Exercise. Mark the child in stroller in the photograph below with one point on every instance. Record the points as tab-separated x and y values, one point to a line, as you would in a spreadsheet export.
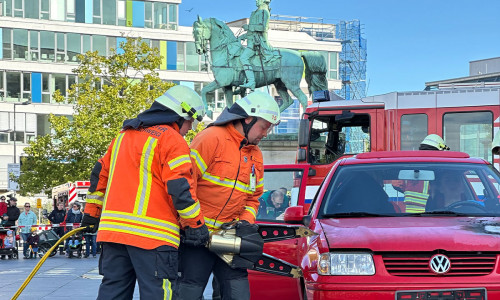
75	244
8	243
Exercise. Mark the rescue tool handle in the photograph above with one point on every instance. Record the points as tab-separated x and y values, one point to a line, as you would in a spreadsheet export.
40	263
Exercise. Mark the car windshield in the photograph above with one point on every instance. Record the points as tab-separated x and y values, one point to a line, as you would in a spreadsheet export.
412	189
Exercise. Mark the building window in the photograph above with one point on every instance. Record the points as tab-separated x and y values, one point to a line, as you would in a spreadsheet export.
61	47
109	6
47	46
122	12
413	131
470	132
34	54
18	8
192	58
148	14
86	43
180	56
26	83
20	45
32	9
172	16
44	9
160	14
74	47
333	65
97	17
99	44
46	94
7	8
13	86
7	43
58	10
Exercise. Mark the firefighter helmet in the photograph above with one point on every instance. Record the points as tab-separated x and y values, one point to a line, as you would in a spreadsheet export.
433	142
256	104
184	101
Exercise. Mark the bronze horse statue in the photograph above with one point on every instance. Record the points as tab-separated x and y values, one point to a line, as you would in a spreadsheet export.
284	70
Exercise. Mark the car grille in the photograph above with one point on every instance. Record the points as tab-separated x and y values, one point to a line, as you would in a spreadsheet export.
417	263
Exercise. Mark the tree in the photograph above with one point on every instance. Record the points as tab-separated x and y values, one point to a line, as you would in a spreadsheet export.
109	90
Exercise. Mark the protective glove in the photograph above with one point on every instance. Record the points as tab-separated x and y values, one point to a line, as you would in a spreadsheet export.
90	223
195	237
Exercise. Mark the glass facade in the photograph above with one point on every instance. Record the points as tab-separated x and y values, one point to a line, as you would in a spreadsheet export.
136	13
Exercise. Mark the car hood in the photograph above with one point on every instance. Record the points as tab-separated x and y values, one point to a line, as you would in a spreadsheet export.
413	233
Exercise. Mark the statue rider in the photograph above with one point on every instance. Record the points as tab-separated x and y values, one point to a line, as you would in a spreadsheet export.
256	37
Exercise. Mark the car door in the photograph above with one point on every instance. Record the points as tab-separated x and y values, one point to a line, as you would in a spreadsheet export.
292	177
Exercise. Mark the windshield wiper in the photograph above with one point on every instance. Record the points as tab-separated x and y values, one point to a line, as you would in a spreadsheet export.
439	212
354	214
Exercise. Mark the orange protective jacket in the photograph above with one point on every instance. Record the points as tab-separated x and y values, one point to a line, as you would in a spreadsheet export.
223	167
142	189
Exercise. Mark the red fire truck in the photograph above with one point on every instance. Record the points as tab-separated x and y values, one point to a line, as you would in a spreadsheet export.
70	192
467	119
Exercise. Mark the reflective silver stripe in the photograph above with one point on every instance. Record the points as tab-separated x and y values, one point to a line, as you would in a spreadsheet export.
136	230
144	188
96	197
268	111
212	224
174	163
251	210
190	212
172	98
247	100
199	160
165	225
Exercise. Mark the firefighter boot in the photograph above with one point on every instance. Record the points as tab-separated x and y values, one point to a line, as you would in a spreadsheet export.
250	78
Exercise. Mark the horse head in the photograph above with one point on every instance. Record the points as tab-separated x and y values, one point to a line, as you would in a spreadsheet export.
201	34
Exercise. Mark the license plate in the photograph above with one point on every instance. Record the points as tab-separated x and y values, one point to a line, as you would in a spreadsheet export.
453	294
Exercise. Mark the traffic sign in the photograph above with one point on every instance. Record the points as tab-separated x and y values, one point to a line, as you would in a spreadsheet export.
38	203
13	169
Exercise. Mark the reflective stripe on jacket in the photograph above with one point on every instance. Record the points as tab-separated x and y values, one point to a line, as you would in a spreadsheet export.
218	160
144	187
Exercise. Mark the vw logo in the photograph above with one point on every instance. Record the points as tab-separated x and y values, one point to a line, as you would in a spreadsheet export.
440	264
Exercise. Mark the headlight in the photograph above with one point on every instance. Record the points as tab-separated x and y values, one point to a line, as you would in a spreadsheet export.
346	264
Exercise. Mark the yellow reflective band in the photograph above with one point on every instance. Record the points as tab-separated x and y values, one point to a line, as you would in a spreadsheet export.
190	212
167	289
145	177
261	183
139	231
95	193
143	220
94	201
178	161
240	186
114	155
212	224
199	160
251	210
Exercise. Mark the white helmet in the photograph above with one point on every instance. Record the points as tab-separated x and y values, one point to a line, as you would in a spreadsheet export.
433	141
184	101
256	104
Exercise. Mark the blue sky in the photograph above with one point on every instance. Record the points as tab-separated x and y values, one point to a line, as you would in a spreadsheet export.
410	42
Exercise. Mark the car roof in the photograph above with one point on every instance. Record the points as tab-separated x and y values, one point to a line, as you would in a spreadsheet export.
412	156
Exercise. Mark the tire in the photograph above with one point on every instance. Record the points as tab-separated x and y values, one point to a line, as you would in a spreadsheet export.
44	248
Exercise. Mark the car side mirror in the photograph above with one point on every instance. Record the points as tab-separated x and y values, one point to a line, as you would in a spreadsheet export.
303	137
294	215
301	155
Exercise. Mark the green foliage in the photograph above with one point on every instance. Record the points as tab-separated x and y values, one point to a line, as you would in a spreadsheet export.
192	133
109	90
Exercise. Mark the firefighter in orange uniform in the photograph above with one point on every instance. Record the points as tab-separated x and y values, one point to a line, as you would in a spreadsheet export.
142	195
228	168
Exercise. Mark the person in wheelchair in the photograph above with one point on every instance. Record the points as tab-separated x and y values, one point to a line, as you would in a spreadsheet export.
75	245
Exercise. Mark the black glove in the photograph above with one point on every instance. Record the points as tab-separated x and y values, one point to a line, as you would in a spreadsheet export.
196	237
91	224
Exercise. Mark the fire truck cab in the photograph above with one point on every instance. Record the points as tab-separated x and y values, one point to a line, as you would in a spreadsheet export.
467	119
70	192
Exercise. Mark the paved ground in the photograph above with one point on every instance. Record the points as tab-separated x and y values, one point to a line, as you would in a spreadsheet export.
59	278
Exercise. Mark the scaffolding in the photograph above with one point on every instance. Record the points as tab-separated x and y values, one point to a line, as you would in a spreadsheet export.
352	60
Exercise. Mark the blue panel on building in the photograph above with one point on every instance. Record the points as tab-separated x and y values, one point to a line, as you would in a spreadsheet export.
80	11
138	14
188	84
36	87
120	50
171	55
89	7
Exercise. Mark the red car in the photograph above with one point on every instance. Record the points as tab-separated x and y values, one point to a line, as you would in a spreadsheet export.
397	225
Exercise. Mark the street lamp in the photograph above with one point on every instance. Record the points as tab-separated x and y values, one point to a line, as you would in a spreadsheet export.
15	137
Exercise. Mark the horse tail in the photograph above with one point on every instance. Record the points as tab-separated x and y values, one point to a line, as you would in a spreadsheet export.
315	73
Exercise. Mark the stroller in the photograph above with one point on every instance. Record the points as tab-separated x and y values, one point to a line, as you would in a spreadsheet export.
48	238
9	252
75	245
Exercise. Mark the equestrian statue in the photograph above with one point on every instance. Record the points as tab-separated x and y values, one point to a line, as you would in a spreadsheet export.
237	68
